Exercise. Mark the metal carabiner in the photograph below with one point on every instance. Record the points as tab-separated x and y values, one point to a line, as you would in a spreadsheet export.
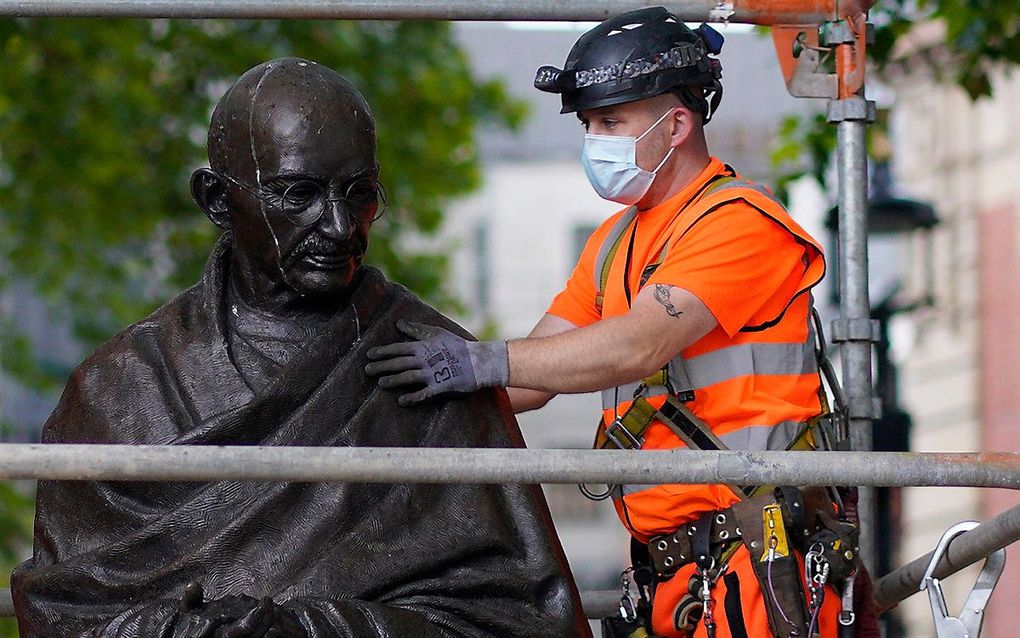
968	624
628	610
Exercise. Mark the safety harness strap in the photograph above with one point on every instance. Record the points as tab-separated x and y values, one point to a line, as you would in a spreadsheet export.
607	252
609	248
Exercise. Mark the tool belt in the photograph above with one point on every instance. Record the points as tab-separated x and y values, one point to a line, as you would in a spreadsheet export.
774	527
670	552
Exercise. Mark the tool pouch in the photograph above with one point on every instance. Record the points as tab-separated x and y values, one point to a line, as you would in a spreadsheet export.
839	541
820	526
778	574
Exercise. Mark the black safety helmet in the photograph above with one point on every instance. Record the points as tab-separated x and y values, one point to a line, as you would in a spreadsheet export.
637	55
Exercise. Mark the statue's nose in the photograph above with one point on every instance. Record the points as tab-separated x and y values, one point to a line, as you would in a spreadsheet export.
338	224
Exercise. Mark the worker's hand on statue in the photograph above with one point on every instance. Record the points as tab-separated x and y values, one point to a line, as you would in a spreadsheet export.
437	363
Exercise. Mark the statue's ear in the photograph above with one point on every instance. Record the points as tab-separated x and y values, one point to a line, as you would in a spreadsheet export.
210	193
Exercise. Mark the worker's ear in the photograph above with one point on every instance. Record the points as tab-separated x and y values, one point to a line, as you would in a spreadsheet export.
683	125
210	193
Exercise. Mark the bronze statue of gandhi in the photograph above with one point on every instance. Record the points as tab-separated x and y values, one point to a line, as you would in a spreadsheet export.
269	349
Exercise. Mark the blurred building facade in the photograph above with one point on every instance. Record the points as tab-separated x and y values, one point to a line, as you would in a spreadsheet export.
958	360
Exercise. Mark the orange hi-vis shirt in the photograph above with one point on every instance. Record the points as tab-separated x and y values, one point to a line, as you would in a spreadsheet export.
754	378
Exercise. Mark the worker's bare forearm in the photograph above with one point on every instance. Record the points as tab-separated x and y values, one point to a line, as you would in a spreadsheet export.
525	400
613	351
584	360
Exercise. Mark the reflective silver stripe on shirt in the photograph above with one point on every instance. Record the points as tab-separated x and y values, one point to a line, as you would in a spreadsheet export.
627	490
752	437
607	244
763	437
743	359
749	185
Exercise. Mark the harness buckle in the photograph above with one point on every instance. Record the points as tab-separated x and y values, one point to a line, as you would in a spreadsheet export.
617	429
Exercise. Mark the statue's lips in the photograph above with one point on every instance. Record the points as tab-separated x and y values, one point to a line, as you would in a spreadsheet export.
328	260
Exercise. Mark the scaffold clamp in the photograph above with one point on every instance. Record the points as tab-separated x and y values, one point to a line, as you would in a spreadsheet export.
851	109
859	329
968	623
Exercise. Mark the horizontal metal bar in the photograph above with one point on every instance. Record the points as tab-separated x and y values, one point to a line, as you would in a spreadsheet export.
453	465
751	11
598	603
966	549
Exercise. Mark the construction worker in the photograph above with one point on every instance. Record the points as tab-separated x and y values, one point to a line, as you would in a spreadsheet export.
691	305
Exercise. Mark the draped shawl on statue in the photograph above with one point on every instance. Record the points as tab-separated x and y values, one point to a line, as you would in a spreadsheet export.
113	558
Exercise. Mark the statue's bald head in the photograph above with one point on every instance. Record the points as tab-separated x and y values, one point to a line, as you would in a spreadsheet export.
294	178
279	101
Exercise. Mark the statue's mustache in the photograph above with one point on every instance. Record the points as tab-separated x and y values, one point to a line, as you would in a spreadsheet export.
316	244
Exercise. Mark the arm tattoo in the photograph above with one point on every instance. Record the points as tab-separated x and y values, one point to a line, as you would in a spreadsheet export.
662	296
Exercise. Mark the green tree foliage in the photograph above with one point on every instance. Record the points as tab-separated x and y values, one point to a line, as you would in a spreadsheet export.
103	121
980	35
16	512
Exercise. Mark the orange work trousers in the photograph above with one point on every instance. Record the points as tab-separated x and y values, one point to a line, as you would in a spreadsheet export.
738	604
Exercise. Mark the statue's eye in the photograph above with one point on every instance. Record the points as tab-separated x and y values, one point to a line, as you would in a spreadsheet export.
301	194
362	191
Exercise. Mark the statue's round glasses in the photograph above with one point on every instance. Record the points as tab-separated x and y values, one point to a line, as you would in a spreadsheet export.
303	201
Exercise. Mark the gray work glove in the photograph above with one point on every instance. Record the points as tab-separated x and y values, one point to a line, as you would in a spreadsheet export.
440	361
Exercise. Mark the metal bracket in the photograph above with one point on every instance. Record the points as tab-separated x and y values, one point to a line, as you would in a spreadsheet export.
851	109
831	34
824	61
968	624
800	59
844	330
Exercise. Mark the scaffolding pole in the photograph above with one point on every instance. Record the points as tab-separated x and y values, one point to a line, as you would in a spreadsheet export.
484	465
853	330
965	550
749	11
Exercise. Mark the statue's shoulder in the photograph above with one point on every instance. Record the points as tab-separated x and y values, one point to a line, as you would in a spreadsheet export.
407	305
122	381
142	339
134	363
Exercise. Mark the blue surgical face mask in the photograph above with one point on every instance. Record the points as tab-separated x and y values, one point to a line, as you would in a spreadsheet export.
610	163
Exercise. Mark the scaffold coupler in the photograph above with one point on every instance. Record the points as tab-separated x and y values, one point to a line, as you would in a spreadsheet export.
968	624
